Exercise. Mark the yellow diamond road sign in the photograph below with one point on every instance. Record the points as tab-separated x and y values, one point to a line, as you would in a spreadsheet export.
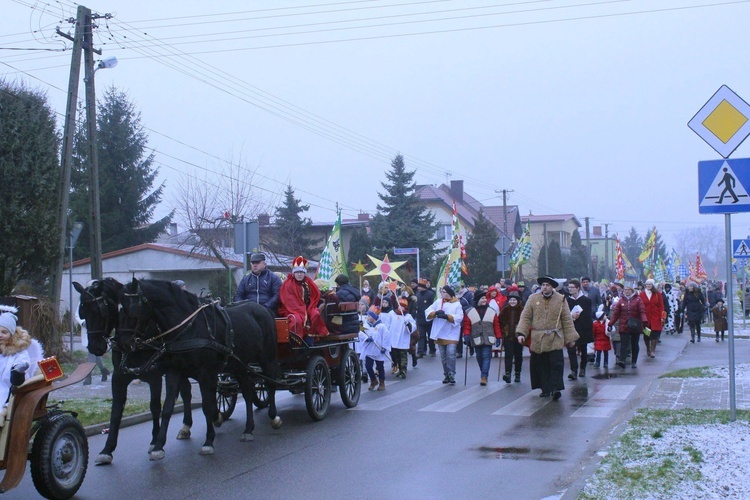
723	122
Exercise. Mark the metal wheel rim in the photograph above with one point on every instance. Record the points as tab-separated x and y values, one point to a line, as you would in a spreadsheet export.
66	459
350	375
319	388
260	391
224	403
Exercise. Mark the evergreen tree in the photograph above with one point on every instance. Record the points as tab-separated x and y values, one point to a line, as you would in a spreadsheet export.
292	229
29	189
126	178
403	219
576	265
632	246
555	262
481	254
359	247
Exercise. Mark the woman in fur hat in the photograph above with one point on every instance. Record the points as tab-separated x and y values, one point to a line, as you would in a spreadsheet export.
18	351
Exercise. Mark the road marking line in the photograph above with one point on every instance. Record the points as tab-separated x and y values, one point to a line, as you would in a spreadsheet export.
605	402
525	406
464	398
399	397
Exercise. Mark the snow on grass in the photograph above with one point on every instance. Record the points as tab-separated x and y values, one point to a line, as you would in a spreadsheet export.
678	454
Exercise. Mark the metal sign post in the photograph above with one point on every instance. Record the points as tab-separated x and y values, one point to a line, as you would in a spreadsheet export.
724	123
408	251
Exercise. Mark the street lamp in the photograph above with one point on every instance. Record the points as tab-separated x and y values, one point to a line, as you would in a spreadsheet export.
74	234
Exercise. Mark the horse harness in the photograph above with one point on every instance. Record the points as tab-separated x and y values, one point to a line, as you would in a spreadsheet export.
175	345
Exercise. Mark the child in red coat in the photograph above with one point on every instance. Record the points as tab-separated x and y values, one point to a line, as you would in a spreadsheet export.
602	343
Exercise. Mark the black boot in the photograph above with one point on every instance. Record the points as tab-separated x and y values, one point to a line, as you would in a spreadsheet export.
105	374
506	377
582	372
518	377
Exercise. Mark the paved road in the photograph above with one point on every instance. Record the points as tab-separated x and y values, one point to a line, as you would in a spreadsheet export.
418	438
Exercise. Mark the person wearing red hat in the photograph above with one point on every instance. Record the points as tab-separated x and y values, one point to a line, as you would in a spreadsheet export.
299	297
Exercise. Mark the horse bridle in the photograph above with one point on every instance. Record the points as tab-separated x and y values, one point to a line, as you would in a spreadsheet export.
102	302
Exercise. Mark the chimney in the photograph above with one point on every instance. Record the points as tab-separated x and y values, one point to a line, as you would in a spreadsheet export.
363	216
172	229
264	220
598	231
457	190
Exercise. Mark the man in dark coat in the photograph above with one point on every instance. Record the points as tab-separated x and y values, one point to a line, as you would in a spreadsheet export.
260	285
593	293
580	310
425	298
347	293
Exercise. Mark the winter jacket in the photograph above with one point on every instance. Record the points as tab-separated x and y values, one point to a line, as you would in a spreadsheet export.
693	304
20	348
548	321
627	308
584	322
482	325
445	330
347	293
601	340
595	297
425	299
654	309
509	318
720	318
262	288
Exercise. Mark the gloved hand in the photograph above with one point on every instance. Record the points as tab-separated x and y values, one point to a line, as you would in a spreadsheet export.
645	324
369	339
466	340
610	329
440	314
382	350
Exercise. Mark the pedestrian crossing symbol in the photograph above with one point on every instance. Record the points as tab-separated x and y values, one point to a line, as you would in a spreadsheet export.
723	186
741	249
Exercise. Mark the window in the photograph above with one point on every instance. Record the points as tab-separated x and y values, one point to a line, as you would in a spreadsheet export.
443	232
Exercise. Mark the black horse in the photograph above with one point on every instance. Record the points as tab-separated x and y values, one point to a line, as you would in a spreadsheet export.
98	307
201	340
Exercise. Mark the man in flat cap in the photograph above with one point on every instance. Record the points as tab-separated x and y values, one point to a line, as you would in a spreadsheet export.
546	317
259	285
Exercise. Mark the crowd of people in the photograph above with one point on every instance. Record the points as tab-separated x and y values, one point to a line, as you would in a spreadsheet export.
396	322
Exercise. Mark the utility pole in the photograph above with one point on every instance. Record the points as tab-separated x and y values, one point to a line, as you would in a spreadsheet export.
505	218
546	251
67	152
588	245
95	229
606	248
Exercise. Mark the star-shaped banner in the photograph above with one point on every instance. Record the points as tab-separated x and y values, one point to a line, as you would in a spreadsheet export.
359	267
385	268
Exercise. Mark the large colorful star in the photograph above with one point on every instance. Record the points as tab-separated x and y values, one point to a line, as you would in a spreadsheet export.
385	268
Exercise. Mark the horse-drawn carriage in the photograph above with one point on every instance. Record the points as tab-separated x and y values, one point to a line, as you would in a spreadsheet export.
59	452
314	369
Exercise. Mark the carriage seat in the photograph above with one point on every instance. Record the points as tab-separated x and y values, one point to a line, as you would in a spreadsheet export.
342	317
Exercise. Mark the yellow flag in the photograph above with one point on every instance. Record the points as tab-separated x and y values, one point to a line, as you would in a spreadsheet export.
648	247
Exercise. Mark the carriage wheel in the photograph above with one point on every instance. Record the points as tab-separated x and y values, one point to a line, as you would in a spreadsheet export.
260	395
350	378
59	457
318	388
226	395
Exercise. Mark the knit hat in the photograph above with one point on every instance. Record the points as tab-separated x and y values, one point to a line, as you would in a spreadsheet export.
650	282
478	296
514	295
299	264
8	319
600	312
449	290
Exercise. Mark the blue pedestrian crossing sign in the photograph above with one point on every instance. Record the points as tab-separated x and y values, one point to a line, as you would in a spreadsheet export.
741	249
723	186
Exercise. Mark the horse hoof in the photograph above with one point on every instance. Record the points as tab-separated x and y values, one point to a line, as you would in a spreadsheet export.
207	450
103	459
151	448
156	455
276	423
246	438
184	433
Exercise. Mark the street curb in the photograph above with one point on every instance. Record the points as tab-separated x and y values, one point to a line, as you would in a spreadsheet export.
138	418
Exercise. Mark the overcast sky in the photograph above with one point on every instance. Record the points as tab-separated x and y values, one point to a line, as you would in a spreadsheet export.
577	106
